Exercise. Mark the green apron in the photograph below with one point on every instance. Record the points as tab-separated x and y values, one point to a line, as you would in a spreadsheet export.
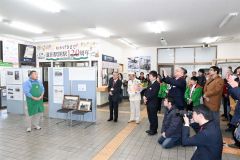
35	107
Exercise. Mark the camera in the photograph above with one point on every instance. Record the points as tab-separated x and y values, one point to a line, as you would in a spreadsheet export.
181	113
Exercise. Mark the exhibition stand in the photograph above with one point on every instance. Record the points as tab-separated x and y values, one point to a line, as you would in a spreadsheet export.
68	83
14	78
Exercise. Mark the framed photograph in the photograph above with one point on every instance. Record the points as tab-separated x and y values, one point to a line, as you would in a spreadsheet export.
70	102
85	105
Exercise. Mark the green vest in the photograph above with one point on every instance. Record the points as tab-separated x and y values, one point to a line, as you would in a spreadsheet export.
162	93
35	107
196	95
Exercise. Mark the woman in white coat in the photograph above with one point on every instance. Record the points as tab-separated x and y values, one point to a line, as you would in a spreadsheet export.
134	89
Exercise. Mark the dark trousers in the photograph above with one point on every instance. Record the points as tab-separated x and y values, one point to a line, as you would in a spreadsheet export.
152	116
169	142
190	107
225	105
113	107
159	104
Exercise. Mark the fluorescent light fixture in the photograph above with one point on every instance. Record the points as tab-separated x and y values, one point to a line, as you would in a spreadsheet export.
47	5
128	43
156	27
25	27
227	19
1	19
69	37
209	39
17	37
44	39
100	32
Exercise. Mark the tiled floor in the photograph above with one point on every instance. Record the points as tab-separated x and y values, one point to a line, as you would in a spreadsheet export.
63	142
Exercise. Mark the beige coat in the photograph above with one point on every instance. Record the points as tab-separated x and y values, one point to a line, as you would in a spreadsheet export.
213	90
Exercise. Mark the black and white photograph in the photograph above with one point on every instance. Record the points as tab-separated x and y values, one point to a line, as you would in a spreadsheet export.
70	101
16	75
85	105
133	63
145	63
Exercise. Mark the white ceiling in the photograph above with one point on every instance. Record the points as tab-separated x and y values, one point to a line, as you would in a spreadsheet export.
187	21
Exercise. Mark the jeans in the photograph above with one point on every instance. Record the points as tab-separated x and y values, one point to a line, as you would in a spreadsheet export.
169	142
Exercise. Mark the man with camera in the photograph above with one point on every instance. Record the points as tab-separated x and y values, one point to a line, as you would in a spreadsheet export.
208	138
171	126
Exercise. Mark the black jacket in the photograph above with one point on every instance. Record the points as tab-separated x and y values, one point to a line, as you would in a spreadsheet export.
208	141
177	91
201	80
116	90
172	124
151	93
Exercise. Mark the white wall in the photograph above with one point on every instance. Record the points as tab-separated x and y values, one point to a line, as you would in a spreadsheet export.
228	51
110	49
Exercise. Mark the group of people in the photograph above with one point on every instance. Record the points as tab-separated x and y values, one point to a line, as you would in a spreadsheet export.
193	101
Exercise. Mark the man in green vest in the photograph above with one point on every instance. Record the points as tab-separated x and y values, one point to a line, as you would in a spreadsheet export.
33	90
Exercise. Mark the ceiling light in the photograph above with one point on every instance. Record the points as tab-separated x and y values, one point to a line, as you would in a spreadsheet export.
209	39
127	42
47	5
44	39
1	19
156	27
16	37
69	37
163	41
25	27
227	19
100	32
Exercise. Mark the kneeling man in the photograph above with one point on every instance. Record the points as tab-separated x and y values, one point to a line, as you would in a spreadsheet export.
171	126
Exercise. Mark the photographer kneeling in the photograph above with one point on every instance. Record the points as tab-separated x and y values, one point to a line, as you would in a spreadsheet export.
208	138
171	126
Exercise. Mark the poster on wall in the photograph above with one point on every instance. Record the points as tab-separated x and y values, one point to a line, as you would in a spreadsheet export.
10	50
141	63
14	92
133	64
57	76
145	63
58	94
73	50
14	76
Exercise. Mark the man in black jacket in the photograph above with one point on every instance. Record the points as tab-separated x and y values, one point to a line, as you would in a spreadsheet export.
171	126
114	89
208	138
178	86
201	77
151	100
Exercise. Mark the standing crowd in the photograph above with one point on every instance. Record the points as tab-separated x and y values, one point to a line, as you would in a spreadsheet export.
188	102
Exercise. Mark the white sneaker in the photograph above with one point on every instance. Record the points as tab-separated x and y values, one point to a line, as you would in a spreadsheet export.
37	127
137	122
28	129
130	121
